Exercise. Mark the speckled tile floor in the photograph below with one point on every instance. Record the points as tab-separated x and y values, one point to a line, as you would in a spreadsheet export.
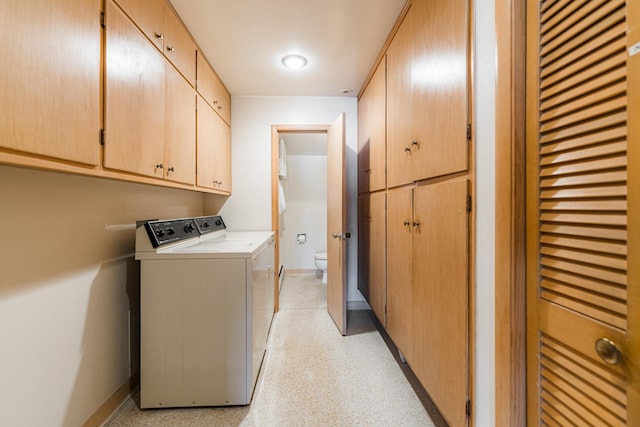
311	375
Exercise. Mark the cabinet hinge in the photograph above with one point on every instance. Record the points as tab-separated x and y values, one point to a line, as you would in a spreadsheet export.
102	24
468	408
468	131
101	136
469	203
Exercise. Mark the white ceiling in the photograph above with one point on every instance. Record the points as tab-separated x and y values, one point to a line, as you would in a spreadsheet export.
244	40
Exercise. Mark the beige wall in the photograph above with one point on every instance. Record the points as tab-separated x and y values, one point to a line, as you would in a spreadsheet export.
68	282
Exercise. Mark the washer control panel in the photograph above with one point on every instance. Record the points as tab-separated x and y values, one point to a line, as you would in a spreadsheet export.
163	232
208	224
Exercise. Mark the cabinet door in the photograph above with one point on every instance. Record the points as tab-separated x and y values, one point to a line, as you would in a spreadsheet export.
372	280
364	142
223	155
372	138
399	98
179	47
134	99
399	262
377	255
364	245
180	128
148	15
439	90
441	295
214	150
212	89
50	92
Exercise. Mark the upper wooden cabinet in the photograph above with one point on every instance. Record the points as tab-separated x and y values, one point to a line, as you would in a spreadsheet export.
179	128
214	150
50	93
372	133
427	72
211	88
163	28
179	47
150	107
149	16
134	98
399	120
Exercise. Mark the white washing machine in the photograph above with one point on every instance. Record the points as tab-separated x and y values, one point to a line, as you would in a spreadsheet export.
206	305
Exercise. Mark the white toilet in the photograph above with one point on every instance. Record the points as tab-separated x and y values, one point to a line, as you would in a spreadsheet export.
320	258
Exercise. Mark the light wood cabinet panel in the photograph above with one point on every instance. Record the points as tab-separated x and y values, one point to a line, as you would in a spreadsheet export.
372	133
51	94
163	28
180	128
149	16
441	295
211	88
439	88
179	47
134	99
399	270
213	149
427	72
399	114
372	273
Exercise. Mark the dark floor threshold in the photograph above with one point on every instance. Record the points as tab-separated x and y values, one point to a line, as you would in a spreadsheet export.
432	410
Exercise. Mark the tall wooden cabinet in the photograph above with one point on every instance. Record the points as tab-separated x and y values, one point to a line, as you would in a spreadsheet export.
425	285
399	269
440	291
51	94
372	272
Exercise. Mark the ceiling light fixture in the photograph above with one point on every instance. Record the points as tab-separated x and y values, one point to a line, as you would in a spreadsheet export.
294	61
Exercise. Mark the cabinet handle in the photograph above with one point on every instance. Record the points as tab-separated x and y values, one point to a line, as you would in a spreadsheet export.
171	169
159	166
416	224
170	48
407	223
158	35
407	149
414	143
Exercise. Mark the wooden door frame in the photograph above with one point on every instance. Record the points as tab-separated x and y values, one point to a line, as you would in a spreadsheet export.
276	130
510	301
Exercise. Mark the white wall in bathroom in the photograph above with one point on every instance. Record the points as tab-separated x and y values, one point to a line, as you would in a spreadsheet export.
306	211
249	206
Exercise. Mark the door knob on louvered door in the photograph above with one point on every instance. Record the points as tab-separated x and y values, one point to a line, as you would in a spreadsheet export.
608	351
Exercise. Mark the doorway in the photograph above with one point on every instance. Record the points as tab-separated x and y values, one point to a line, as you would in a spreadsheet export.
302	202
301	134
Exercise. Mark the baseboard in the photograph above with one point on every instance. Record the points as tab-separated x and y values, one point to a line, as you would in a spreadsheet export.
113	404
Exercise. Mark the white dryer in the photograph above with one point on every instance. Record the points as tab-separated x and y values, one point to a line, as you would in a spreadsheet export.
207	301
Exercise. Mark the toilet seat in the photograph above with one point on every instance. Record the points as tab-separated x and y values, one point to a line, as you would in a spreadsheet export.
320	255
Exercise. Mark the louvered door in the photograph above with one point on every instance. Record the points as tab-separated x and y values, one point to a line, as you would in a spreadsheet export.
581	286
